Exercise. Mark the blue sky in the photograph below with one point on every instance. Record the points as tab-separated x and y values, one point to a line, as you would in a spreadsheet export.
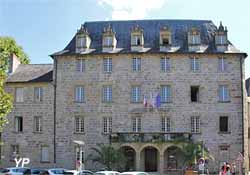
42	27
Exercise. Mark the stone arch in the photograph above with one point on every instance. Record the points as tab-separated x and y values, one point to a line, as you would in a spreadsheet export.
130	154
150	158
173	157
150	145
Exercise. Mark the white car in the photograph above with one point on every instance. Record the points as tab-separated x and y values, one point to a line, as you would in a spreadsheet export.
134	173
107	173
57	171
82	172
18	170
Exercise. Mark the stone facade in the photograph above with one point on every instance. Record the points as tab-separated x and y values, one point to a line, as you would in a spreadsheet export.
224	146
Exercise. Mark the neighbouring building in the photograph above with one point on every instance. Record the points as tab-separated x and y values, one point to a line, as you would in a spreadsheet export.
146	86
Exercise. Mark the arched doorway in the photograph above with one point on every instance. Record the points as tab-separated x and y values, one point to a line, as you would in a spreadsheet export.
129	153
150	157
173	158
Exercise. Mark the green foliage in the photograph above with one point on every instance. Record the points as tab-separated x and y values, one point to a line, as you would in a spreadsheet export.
108	156
194	151
8	46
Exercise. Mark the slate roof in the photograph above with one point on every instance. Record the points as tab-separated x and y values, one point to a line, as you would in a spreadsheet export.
31	73
248	86
151	28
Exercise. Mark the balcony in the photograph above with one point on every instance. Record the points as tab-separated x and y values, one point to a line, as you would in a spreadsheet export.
154	137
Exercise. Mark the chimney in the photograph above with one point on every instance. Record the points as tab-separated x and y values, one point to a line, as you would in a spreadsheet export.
13	63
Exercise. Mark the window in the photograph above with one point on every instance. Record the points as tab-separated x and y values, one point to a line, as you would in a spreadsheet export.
107	94
79	124
107	124
15	151
108	41
136	64
136	40
18	124
79	156
194	39
165	124
223	124
136	124
81	41
165	64
44	154
221	39
136	94
223	93
19	95
194	93
165	41
166	94
107	65
79	94
195	124
222	64
38	124
38	91
195	64
80	65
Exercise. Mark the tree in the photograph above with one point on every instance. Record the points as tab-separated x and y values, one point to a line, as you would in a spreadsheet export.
108	156
8	46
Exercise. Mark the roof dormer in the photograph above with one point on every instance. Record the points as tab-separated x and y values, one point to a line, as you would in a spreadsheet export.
194	40
108	39
137	40
221	41
165	38
83	40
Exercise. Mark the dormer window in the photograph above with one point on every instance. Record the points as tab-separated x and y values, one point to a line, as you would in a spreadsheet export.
165	36
194	37
221	42
137	40
108	39
194	40
82	40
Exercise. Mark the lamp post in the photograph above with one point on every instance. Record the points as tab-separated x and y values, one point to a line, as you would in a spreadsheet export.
80	144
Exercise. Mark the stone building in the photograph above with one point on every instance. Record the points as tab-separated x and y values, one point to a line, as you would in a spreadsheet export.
139	85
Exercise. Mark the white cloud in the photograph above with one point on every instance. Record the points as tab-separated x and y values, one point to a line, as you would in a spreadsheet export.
131	9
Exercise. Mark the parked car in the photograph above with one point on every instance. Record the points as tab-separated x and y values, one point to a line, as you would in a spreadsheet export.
4	171
37	171
82	172
57	171
19	171
107	173
134	173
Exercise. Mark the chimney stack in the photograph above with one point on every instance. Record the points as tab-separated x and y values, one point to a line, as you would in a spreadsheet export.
13	63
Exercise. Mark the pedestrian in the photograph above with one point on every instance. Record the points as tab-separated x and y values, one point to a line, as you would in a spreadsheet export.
223	170
233	168
228	172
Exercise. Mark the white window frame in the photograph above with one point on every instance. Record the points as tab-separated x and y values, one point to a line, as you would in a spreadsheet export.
107	65
195	64
107	125
37	123
79	124
195	39
45	153
78	156
107	95
166	94
136	94
165	124
79	94
195	124
38	94
80	65
108	41
136	124
19	94
15	151
81	41
18	124
165	64
224	95
136	64
222	64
